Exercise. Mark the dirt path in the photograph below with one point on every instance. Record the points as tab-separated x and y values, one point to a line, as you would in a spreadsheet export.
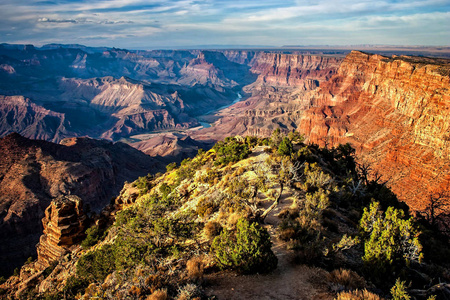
288	281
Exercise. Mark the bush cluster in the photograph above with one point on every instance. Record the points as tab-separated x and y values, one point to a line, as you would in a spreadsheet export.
230	150
246	249
389	240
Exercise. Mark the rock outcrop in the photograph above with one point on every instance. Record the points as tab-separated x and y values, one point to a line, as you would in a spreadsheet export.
395	112
19	114
33	172
293	70
64	224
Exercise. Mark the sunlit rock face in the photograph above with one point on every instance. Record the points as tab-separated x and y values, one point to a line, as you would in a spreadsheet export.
64	224
395	112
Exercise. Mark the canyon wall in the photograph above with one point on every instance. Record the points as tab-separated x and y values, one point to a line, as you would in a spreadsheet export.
33	172
306	71
395	112
275	98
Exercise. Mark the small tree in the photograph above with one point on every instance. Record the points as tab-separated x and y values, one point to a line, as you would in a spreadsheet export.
389	238
247	250
296	137
437	208
275	138
285	147
171	166
398	291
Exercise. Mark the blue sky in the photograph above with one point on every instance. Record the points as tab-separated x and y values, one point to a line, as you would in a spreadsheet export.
137	24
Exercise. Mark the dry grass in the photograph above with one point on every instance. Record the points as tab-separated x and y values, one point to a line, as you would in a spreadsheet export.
195	267
188	292
344	279
212	229
233	219
358	295
158	295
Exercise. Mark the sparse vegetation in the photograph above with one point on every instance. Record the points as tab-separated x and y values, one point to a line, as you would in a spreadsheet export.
208	213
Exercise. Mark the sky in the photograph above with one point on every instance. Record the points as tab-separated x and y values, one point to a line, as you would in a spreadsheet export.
157	24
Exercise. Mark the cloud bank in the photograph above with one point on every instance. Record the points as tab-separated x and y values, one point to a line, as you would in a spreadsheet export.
153	24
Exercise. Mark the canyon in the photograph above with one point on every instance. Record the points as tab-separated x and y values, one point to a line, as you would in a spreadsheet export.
392	109
34	172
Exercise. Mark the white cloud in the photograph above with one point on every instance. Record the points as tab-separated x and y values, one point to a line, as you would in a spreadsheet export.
219	21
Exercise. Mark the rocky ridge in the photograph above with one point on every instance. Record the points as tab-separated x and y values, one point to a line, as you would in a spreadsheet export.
172	233
33	172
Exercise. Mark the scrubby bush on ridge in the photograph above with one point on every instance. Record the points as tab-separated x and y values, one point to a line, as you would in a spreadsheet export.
248	249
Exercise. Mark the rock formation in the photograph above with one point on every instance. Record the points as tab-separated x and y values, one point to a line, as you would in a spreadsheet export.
64	225
53	93
395	112
19	114
276	97
34	172
293	70
171	146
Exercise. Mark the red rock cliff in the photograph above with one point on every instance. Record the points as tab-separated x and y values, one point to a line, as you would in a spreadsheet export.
293	70
64	225
276	94
395	111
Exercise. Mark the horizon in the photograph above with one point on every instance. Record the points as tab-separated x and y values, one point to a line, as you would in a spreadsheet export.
343	48
188	24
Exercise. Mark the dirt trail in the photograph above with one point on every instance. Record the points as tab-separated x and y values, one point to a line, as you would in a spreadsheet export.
288	281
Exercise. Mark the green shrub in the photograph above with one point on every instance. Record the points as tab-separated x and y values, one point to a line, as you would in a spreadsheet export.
398	291
286	147
96	265
230	150
206	206
74	285
93	234
171	166
124	216
248	249
389	239
296	137
143	184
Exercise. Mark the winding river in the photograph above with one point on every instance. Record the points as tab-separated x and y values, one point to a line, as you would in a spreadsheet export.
207	125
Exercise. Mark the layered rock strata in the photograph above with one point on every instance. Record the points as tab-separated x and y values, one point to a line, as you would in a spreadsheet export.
276	98
64	225
396	113
33	172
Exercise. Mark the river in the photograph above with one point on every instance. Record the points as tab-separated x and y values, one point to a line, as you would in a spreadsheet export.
145	136
207	125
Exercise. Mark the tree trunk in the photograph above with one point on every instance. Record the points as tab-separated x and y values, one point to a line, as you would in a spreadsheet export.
275	203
